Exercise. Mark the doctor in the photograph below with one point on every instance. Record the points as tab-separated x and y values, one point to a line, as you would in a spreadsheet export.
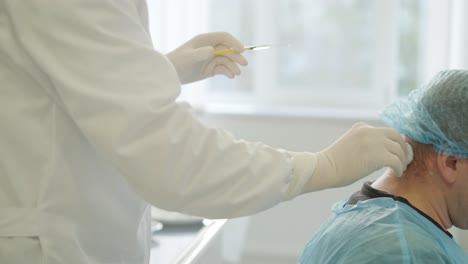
91	134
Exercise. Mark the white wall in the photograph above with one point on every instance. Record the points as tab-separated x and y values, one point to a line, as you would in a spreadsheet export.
284	229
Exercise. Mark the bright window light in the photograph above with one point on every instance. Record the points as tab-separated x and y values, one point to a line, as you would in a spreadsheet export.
328	54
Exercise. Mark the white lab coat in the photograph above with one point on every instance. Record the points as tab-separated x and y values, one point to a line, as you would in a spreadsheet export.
90	133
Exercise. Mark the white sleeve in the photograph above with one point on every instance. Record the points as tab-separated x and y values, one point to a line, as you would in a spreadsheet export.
121	94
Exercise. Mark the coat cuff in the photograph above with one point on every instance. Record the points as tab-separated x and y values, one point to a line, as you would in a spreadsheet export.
304	164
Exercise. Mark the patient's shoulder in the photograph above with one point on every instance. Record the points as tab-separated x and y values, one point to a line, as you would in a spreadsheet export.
370	234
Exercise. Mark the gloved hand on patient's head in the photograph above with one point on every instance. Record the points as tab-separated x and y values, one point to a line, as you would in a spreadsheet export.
360	151
195	60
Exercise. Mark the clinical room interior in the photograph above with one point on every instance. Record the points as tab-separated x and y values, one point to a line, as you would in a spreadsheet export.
326	65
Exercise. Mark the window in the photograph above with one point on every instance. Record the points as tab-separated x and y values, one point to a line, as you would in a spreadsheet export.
340	54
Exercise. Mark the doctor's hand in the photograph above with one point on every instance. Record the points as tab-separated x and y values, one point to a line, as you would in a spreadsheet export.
360	151
195	60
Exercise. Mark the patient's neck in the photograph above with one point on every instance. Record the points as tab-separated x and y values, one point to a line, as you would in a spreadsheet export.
420	192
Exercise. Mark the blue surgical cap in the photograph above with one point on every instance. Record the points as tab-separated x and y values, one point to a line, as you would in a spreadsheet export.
435	114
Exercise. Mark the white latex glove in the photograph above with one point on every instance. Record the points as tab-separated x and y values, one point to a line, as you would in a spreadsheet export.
195	60
360	151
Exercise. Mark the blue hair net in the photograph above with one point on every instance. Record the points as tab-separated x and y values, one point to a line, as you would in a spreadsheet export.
435	114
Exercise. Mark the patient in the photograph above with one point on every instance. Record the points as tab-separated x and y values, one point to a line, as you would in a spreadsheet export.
405	219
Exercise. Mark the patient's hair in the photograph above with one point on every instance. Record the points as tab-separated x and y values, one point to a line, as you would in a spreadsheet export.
423	155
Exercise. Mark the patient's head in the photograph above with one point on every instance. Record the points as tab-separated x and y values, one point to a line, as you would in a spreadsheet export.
435	114
435	120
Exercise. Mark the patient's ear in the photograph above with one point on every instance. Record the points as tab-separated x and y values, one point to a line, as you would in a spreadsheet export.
448	168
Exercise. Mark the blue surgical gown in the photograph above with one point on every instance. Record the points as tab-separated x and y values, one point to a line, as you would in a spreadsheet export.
380	230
